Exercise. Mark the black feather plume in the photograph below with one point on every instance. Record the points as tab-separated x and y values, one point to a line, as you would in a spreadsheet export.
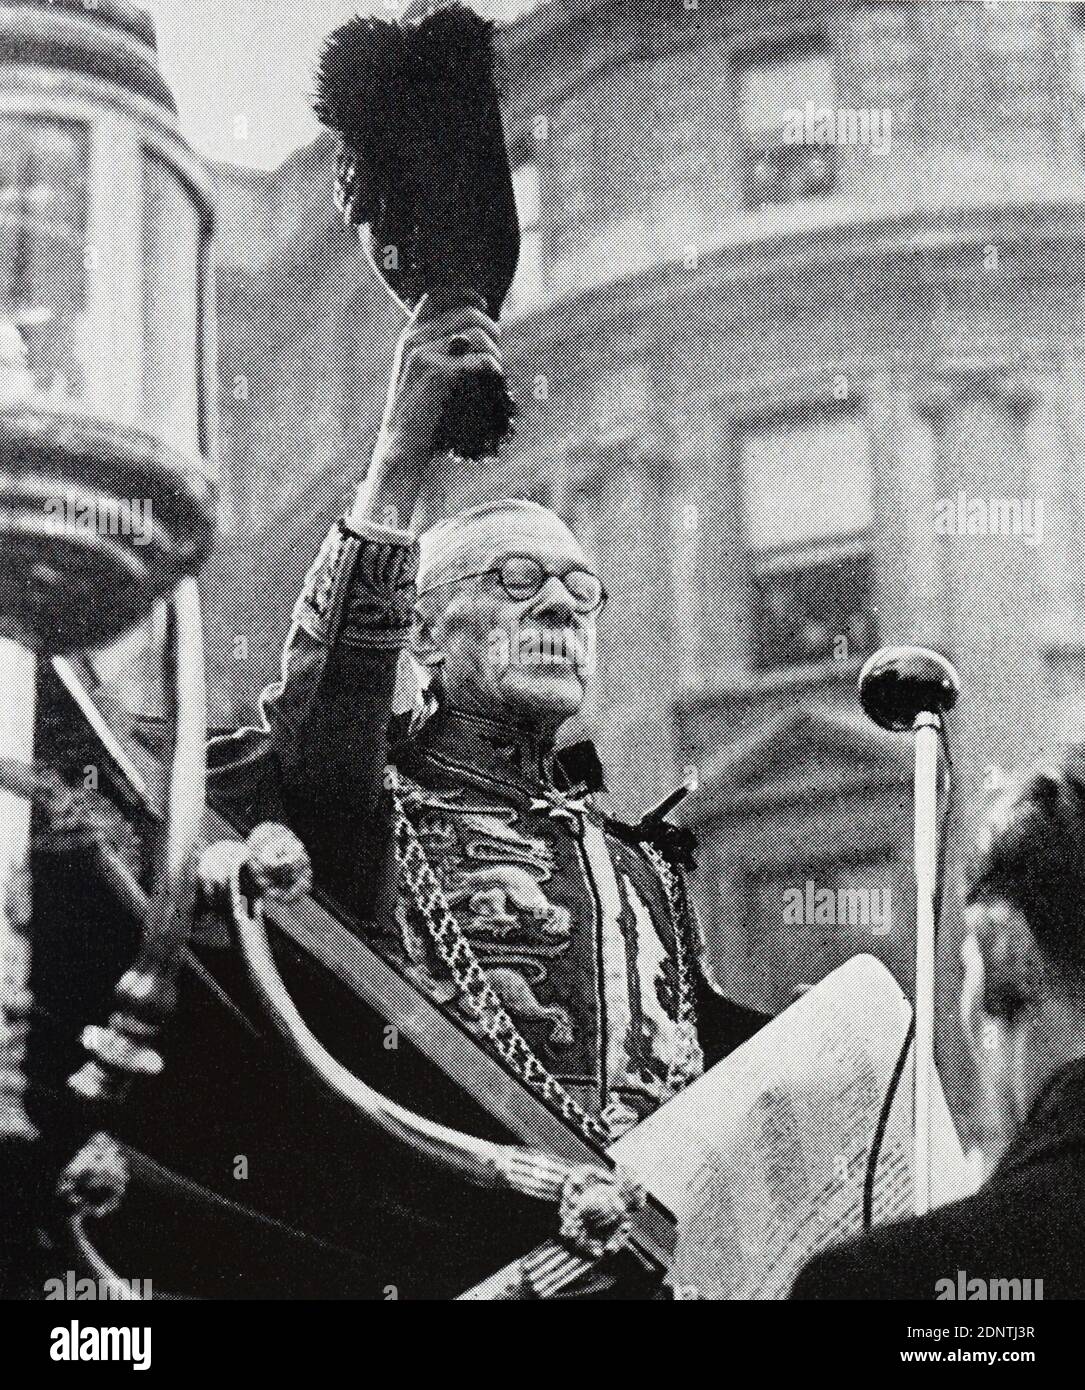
363	63
424	170
423	161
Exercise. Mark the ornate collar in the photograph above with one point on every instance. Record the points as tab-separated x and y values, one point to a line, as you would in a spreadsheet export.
502	751
499	748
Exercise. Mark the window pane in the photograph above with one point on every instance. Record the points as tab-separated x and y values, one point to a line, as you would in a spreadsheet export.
171	307
807	483
525	185
774	171
815	612
526	292
1077	65
787	172
527	288
768	91
43	246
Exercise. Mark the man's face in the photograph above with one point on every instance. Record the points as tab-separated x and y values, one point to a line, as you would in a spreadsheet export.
529	659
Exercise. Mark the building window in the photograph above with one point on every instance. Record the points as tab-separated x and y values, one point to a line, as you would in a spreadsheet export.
1077	70
173	242
526	292
774	87
807	513
43	250
1016	58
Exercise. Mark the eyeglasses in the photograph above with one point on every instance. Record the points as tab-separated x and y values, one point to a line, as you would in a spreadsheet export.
522	577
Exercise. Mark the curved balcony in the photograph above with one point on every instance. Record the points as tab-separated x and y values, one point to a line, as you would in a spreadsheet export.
757	137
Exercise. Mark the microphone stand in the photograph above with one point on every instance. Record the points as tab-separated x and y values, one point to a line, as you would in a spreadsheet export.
908	689
927	729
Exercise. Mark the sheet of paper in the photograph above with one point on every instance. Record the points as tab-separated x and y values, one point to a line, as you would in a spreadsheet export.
763	1159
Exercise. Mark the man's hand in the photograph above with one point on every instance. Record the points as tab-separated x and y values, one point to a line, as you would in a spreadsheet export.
442	344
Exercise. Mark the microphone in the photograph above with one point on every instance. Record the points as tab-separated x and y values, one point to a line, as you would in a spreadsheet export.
897	684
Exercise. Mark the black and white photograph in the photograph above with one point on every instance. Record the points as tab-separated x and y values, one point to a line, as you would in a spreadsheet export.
542	664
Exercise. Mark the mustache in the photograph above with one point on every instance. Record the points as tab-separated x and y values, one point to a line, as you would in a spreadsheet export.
540	644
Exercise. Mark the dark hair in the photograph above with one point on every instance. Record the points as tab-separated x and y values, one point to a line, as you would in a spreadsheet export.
1031	853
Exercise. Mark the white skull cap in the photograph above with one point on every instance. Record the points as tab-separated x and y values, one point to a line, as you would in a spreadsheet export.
450	548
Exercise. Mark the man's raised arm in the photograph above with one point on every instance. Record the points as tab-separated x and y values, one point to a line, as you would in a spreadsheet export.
318	759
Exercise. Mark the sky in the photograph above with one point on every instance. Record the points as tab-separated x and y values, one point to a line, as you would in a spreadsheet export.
242	71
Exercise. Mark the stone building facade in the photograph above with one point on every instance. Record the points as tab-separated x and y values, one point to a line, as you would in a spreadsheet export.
766	378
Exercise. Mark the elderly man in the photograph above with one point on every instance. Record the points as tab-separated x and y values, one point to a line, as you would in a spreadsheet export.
1023	1007
461	845
570	949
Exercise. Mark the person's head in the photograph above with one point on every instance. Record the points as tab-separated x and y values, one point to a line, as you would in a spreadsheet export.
506	617
1023	995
